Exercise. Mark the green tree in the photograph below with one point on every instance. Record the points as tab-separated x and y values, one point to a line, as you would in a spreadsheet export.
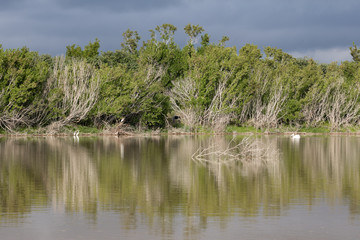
90	52
193	32
23	76
73	51
115	93
130	42
166	32
223	40
355	53
117	57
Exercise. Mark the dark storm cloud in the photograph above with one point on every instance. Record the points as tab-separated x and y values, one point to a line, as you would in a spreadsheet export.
10	4
291	25
308	27
281	14
118	6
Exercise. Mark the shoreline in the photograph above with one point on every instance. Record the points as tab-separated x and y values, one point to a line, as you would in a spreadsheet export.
149	134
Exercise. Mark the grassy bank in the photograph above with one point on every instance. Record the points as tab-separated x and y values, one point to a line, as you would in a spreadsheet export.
286	129
113	130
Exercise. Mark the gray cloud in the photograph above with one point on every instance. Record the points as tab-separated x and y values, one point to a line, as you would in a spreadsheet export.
301	27
326	55
11	4
118	6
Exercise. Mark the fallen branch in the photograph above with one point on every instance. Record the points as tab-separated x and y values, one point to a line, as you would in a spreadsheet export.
246	151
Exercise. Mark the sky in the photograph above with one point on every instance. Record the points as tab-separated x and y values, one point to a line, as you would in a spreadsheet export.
319	29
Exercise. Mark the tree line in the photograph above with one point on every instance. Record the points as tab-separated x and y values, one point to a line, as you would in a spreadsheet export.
206	84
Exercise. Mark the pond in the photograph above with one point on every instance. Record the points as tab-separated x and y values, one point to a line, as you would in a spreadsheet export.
163	188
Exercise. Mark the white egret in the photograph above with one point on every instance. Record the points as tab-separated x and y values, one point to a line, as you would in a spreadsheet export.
295	136
76	133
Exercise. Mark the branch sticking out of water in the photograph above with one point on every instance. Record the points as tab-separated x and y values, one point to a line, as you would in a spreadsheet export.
248	151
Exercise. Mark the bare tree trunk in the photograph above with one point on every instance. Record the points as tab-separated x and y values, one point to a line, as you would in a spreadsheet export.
184	100
154	73
337	105
267	103
181	96
11	118
343	109
79	85
315	111
218	114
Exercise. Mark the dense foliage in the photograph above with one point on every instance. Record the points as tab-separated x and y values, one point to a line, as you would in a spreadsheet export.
206	85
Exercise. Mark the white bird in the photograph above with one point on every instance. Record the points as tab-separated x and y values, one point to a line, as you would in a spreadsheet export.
295	136
76	133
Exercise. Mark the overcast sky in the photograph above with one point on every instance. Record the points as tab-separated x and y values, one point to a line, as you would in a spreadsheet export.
321	29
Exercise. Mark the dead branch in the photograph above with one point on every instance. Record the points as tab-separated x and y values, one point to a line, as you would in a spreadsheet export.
343	109
10	120
265	112
79	84
152	74
248	150
185	93
315	111
336	104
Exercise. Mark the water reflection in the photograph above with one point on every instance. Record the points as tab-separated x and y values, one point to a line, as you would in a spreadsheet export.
155	180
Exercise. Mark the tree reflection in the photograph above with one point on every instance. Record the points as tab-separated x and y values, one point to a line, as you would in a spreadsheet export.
156	181
19	182
73	182
39	170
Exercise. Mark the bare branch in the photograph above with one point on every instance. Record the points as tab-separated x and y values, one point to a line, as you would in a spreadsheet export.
248	150
265	112
184	100
79	84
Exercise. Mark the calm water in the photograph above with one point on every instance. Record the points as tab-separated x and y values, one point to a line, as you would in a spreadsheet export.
152	188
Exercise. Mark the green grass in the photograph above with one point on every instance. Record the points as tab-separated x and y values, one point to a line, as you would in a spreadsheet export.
237	129
351	129
199	129
84	129
315	129
65	130
283	129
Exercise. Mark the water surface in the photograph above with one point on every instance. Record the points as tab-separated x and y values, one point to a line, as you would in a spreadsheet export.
152	188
